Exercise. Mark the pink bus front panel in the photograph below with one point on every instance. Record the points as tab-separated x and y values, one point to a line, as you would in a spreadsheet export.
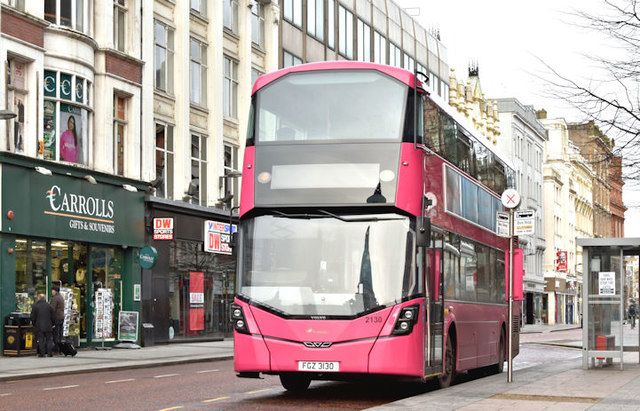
363	345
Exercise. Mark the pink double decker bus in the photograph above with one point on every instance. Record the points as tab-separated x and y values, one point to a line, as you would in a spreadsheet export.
367	241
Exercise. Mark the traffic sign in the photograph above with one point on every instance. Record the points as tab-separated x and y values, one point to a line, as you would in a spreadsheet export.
503	224
525	222
510	198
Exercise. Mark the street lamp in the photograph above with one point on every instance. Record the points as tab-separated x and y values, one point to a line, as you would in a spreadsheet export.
224	182
7	114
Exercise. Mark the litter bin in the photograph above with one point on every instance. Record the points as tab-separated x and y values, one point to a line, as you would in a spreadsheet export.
19	335
148	339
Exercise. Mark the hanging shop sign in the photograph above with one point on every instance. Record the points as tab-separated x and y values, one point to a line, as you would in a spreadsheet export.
64	207
217	237
128	326
148	257
163	228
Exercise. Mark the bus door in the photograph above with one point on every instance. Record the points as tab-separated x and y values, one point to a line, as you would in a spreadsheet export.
433	281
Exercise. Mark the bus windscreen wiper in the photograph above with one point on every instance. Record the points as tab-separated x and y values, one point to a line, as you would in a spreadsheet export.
359	219
305	216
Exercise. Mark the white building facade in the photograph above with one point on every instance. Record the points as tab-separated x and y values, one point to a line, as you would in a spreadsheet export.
523	138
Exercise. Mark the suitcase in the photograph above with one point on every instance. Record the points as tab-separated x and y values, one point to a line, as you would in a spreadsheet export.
67	348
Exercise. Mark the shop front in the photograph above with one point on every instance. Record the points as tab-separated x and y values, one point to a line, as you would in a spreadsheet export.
74	228
188	294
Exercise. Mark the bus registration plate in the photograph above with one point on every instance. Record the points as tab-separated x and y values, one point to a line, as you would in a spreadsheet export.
319	366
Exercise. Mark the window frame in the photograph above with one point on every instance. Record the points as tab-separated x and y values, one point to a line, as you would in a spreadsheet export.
288	57
230	88
315	19
230	11
292	12
233	167
120	128
82	25
202	70
201	160
120	9
345	32
169	51
257	25
168	156
363	38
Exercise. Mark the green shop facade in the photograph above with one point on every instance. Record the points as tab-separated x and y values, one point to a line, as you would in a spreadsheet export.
76	228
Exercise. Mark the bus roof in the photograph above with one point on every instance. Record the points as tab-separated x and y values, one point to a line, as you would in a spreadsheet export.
400	74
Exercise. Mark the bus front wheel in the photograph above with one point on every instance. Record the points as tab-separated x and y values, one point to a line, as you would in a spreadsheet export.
447	377
295	382
499	367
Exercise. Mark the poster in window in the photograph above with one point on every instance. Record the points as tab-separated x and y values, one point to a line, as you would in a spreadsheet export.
49	133
196	301
18	124
71	123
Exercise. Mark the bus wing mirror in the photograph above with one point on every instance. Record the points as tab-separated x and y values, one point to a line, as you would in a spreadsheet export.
423	233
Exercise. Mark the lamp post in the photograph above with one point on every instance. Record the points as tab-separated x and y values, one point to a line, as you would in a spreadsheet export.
224	182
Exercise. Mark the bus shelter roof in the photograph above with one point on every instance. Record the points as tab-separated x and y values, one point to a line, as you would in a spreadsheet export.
614	242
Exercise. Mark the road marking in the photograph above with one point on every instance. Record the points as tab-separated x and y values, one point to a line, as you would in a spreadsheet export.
6	394
116	381
205	371
215	399
172	408
165	376
257	391
59	388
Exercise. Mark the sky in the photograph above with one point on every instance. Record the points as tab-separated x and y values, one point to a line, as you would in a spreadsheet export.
512	41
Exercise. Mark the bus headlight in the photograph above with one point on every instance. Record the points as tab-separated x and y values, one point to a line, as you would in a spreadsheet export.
238	320
406	320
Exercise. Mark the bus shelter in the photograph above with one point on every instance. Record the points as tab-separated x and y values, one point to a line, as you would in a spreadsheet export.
606	293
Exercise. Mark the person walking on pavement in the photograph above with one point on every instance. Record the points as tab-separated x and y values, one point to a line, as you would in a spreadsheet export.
57	303
42	319
632	313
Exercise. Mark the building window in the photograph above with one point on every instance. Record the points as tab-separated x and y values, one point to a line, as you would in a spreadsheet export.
164	161
290	60
345	32
331	24
199	6
257	24
293	12
67	119
315	18
364	41
230	88
18	4
163	58
119	132
255	73
395	55
379	48
68	13
198	72
230	166
409	63
199	169
119	24
16	102
230	15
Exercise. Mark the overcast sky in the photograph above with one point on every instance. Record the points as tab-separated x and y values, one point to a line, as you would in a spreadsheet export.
509	39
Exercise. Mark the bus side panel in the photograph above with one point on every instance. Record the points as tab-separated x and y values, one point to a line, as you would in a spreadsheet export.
409	191
248	178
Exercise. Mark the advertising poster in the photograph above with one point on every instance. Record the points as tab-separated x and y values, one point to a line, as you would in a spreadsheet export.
561	263
196	301
71	131
49	130
606	283
128	326
103	322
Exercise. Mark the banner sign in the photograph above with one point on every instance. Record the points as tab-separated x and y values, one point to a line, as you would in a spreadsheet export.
196	301
128	326
217	237
163	228
561	261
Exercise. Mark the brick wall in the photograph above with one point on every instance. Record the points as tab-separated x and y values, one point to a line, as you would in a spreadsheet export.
123	67
22	28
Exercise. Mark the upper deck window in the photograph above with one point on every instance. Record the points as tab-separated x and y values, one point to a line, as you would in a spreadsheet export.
331	105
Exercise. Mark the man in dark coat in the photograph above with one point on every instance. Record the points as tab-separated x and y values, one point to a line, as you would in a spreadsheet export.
42	319
57	303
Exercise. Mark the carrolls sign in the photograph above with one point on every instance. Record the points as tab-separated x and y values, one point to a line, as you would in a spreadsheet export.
70	208
84	212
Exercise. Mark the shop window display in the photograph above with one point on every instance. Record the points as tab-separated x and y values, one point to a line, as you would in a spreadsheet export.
31	278
68	270
107	263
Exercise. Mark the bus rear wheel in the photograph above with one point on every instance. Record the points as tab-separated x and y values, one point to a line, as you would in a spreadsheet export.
446	379
295	382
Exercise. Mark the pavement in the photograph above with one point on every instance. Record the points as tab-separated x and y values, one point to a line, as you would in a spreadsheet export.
88	360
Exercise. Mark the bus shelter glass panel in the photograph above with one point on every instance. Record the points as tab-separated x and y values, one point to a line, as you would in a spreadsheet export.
605	300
